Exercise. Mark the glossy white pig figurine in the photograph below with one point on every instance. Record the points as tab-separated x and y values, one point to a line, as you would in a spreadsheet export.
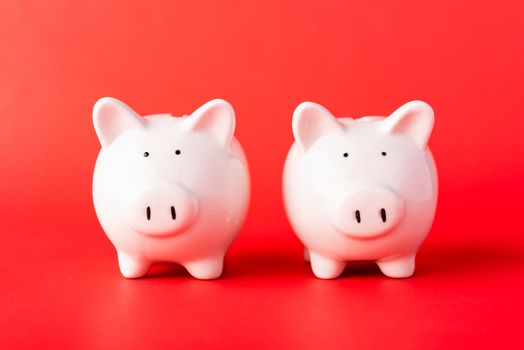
173	189
361	189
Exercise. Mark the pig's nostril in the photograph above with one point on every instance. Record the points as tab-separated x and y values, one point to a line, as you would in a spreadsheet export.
357	216
148	213
173	213
383	214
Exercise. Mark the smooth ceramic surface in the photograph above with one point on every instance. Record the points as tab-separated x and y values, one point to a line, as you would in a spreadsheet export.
169	189
361	189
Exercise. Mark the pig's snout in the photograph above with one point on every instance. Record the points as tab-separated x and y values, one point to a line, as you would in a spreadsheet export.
367	212
161	211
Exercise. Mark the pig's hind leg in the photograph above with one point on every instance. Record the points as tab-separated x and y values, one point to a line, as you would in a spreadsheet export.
397	267
324	267
131	267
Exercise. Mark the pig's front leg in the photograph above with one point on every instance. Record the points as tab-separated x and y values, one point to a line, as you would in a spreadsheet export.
131	267
206	269
397	267
306	255
324	267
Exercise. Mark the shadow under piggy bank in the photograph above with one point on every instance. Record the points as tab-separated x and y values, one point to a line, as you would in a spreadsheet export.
457	259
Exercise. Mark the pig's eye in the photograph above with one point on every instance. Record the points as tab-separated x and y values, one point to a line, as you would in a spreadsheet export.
146	154
345	155
384	154
177	152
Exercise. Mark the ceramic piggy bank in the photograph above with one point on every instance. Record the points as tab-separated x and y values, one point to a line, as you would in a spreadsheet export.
169	189
361	189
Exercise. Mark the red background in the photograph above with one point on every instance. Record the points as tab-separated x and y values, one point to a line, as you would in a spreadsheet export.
60	284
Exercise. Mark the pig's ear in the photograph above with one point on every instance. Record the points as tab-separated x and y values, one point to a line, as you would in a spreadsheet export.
311	121
216	117
112	117
415	118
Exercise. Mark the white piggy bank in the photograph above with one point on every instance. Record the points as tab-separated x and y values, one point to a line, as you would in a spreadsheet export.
361	189
172	189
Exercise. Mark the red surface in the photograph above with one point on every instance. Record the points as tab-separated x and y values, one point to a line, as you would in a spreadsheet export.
60	284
